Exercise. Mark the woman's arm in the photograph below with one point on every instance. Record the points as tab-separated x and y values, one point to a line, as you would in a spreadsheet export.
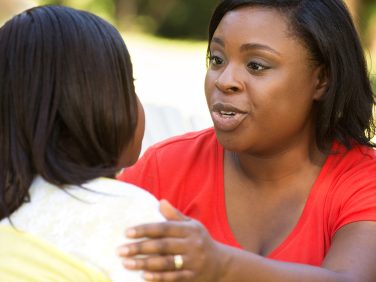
351	257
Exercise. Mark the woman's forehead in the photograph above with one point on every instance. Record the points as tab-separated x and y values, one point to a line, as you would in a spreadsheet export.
256	18
257	25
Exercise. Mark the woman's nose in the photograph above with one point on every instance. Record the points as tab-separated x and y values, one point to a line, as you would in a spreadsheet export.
229	81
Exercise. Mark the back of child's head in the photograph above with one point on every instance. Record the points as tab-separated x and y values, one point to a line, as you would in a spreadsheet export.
68	106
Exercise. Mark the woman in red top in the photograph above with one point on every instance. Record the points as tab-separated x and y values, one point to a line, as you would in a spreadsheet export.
285	184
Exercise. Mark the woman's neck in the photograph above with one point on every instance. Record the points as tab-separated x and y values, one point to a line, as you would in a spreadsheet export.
279	165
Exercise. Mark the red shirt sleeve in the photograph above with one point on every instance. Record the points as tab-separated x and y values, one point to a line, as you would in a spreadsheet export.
358	200
354	198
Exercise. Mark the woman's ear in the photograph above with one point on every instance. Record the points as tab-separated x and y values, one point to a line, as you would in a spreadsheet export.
321	82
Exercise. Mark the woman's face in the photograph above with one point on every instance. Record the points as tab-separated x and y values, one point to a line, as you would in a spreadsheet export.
132	151
260	85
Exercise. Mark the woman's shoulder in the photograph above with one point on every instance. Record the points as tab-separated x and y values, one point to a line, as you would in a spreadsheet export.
351	182
192	145
193	138
187	152
359	158
351	173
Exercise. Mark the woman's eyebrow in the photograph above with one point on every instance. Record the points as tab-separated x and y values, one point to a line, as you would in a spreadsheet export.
218	41
253	46
247	46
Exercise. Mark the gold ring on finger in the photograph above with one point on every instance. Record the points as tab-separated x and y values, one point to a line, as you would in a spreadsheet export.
178	262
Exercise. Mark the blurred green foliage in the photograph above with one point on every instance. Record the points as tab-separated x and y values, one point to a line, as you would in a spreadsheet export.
177	18
368	22
102	8
184	18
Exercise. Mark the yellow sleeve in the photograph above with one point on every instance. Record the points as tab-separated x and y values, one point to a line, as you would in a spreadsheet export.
24	257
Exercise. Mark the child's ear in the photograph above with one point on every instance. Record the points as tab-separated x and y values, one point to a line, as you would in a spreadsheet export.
321	83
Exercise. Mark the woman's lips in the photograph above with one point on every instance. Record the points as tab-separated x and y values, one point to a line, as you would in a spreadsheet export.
227	117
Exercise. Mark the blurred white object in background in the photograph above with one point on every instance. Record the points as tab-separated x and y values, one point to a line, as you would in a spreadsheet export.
169	79
162	122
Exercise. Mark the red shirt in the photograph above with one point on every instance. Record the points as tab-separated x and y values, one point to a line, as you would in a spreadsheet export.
187	170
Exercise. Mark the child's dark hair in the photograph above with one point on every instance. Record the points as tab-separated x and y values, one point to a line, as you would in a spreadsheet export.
68	106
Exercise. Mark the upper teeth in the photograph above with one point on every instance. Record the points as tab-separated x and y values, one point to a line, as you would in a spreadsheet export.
227	113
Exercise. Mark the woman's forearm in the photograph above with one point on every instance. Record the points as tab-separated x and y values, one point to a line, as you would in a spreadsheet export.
244	266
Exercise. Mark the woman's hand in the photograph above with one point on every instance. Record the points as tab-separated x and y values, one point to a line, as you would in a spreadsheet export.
179	249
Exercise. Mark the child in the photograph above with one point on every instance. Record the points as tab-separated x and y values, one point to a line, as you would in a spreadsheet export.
70	120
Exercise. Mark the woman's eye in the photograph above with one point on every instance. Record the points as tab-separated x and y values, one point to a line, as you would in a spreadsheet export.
256	66
215	60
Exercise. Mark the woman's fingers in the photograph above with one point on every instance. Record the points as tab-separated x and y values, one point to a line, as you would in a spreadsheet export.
184	275
179	249
156	263
161	246
158	230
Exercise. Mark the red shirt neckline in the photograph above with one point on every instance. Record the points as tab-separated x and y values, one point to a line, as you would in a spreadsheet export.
222	210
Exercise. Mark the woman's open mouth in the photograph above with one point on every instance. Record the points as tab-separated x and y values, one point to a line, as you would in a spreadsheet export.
227	117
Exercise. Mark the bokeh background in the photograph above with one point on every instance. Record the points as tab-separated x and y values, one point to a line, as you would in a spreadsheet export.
166	39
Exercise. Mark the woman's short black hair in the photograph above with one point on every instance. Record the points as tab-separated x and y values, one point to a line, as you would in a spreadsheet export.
327	30
68	105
